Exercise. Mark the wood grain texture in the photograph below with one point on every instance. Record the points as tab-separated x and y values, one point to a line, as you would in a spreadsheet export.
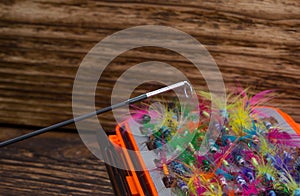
51	164
42	43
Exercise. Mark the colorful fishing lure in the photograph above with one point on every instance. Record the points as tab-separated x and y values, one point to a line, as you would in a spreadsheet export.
253	155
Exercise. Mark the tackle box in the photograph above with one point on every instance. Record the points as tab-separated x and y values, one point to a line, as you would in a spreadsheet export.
149	182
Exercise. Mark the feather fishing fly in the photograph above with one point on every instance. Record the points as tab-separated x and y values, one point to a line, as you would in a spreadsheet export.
246	159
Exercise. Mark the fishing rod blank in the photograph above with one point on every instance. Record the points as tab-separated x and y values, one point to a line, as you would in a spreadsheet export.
101	111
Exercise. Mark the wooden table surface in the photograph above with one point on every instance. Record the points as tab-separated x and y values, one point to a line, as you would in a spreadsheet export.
254	43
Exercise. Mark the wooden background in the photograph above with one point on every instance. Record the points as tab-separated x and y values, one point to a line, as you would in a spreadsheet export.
42	42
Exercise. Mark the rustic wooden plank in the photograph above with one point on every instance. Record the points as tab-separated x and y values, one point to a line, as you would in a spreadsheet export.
43	43
59	106
50	164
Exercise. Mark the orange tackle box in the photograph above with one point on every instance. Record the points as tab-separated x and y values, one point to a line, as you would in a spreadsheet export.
149	182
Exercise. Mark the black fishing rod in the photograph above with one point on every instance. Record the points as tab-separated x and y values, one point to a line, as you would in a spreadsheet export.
100	111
